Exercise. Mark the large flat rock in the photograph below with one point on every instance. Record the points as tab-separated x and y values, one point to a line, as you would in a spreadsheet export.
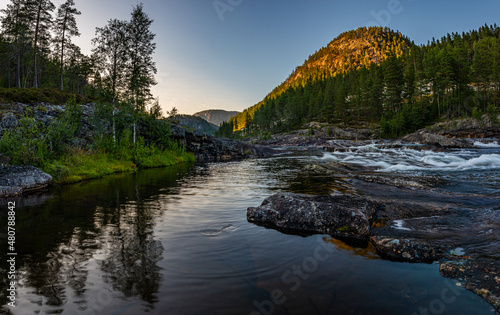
337	215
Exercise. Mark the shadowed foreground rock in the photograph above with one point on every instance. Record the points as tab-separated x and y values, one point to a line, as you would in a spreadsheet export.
15	180
464	241
337	215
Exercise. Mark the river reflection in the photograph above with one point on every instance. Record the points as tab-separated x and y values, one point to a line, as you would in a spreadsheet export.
176	241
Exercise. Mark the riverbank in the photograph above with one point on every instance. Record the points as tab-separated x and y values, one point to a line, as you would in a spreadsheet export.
75	142
77	165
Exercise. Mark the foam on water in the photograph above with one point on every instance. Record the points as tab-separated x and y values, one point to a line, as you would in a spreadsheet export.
407	159
493	144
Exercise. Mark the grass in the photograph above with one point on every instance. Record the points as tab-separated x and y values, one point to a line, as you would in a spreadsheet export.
78	165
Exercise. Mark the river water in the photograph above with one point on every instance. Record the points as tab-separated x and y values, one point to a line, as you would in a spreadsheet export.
176	241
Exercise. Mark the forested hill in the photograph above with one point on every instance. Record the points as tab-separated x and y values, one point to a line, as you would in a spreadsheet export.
376	76
350	50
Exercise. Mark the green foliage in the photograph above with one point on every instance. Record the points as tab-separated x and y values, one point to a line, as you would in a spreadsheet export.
492	113
39	95
51	147
477	113
25	144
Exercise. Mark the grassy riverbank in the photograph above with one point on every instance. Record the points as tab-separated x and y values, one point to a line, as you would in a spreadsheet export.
78	165
78	142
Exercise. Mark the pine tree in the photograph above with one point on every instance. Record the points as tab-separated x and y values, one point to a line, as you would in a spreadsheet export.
65	28
42	9
16	29
482	64
393	79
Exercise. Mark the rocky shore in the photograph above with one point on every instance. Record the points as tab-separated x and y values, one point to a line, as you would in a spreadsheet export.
405	217
415	232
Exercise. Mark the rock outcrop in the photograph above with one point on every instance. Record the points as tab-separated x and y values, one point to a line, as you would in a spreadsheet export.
423	137
337	215
15	180
208	148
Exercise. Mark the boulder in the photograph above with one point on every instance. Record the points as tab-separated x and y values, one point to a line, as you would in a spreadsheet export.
337	215
8	122
15	180
422	137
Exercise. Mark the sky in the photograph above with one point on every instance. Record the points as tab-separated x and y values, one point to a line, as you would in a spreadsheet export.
228	54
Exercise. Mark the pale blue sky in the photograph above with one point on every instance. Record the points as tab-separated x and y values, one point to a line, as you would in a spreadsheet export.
231	57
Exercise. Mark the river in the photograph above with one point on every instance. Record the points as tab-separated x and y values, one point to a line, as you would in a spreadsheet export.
176	241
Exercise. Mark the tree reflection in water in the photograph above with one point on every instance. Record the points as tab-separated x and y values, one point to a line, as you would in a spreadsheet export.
133	253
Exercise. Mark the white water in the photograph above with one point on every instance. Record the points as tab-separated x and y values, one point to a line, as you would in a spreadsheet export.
407	159
493	144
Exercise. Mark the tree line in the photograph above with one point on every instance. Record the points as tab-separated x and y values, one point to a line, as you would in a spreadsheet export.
36	50
456	76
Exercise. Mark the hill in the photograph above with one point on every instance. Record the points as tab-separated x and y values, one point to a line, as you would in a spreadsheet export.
378	77
216	116
196	123
349	51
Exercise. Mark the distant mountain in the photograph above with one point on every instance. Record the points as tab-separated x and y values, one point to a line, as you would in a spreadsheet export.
196	123
216	116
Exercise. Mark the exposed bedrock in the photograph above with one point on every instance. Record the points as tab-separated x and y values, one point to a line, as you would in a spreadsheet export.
422	137
337	215
15	180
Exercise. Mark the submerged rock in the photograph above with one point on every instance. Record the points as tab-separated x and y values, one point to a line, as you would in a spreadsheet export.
422	137
409	249
15	180
337	215
481	276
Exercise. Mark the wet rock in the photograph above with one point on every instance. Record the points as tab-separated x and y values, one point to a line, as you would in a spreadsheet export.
15	180
479	275
407	249
423	137
337	215
399	180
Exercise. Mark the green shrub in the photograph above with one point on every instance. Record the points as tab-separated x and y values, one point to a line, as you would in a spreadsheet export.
24	144
477	114
492	114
